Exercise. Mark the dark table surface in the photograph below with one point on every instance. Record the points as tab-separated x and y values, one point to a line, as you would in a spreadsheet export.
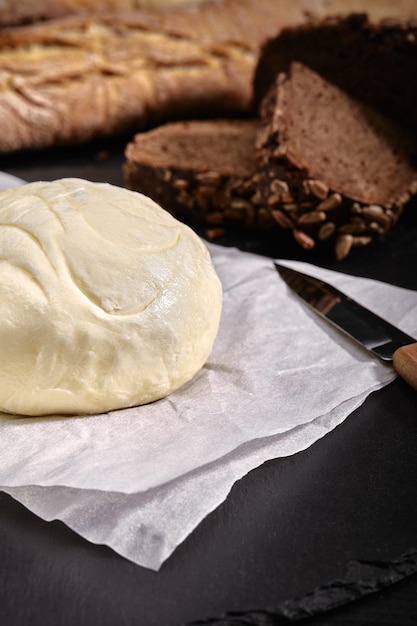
327	536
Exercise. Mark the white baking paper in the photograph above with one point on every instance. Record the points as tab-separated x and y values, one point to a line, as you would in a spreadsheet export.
279	378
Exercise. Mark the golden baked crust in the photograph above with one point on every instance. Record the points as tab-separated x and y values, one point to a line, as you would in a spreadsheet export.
77	78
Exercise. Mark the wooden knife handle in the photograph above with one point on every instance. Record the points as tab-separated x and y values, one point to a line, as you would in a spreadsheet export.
405	363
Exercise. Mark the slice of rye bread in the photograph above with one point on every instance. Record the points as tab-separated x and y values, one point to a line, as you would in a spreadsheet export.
200	171
376	62
331	168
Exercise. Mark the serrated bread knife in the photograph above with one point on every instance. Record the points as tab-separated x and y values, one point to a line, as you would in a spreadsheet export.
375	334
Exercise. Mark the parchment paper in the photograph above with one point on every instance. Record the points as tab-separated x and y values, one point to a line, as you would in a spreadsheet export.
279	378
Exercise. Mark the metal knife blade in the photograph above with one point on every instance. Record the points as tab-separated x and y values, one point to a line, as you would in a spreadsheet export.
370	330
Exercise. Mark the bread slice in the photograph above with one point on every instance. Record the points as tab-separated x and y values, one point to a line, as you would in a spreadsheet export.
374	62
331	168
200	171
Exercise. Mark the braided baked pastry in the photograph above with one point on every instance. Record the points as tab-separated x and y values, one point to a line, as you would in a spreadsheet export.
70	80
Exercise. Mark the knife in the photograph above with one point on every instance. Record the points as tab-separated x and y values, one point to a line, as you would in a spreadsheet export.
373	332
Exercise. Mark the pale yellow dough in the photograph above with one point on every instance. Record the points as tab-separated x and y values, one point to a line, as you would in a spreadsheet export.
106	301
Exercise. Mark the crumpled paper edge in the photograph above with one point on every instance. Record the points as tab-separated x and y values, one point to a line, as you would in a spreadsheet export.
151	551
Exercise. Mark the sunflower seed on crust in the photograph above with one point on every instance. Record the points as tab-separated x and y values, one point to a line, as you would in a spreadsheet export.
361	241
304	240
313	217
180	184
317	188
282	219
331	202
354	227
376	214
279	187
326	231
342	246
273	199
208	178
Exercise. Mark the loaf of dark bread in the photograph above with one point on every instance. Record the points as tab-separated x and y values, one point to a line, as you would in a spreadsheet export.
374	62
331	168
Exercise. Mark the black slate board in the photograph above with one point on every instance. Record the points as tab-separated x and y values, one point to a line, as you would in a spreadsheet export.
333	528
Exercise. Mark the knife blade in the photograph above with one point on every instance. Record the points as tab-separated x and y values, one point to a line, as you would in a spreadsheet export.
374	333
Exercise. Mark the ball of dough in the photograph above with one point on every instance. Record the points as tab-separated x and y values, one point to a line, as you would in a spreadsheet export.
106	300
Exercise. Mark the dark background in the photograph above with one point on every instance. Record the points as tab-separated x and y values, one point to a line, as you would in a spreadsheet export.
327	536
